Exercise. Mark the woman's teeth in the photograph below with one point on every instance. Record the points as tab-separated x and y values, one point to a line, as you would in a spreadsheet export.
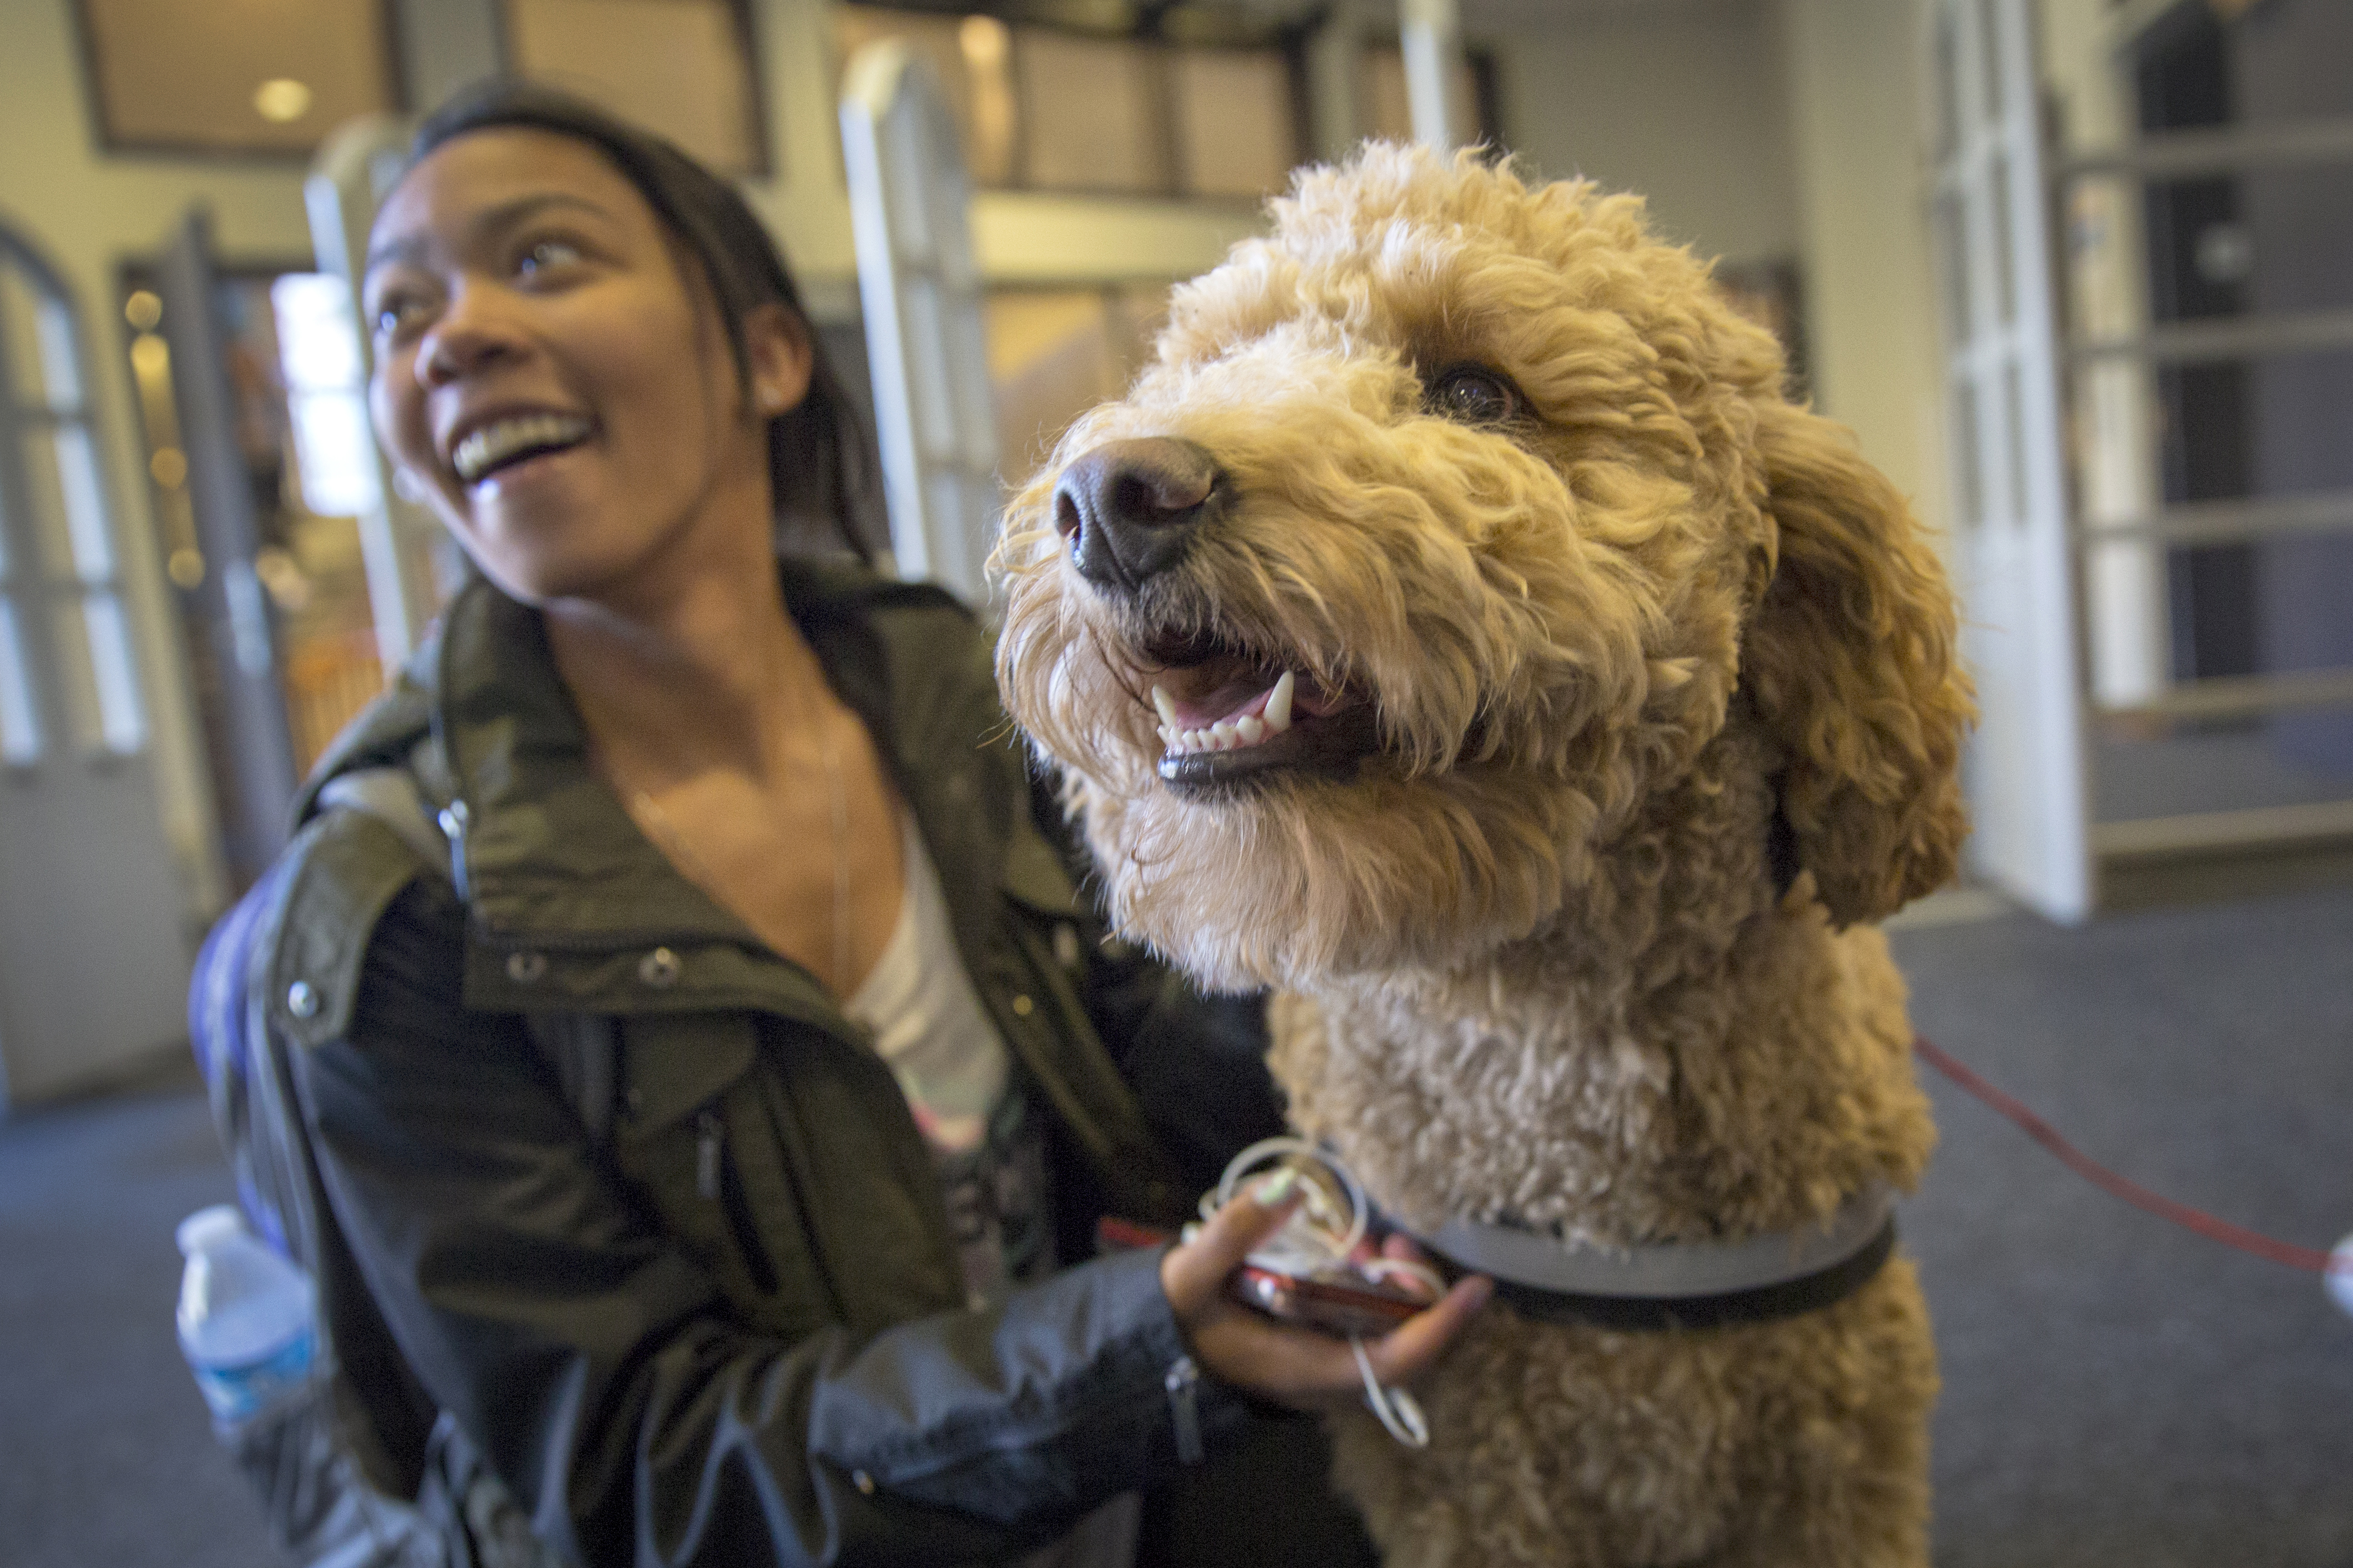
502	440
1271	717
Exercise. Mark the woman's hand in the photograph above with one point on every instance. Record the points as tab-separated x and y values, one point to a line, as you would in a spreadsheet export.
1291	1365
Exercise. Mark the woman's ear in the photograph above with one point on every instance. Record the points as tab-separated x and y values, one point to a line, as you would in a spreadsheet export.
779	351
1850	659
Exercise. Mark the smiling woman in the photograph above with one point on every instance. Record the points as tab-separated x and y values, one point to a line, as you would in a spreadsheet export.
711	1138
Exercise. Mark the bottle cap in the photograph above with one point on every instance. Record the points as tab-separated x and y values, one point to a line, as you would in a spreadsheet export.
207	1227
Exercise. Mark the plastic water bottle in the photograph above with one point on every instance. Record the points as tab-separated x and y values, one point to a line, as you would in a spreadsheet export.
2340	1279
247	1318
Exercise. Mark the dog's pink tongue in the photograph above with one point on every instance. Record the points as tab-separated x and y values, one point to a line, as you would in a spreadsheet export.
1246	697
1229	700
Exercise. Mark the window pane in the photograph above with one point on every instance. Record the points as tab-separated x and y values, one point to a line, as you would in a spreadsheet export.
1087	113
1237	133
1054	355
1050	358
57	551
84	503
20	721
318	338
76	673
257	76
678	66
334	452
20	317
60	365
39	332
1969	488
122	728
328	680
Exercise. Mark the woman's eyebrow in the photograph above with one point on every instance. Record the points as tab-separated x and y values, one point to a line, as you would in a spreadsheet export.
412	248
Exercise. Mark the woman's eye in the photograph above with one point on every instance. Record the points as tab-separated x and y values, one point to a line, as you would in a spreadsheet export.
391	315
546	254
1471	395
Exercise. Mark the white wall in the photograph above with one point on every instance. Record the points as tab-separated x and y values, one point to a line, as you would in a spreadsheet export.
1855	74
1682	100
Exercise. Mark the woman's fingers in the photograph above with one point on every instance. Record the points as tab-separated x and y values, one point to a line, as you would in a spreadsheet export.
1407	1351
1302	1367
1280	1361
1193	1273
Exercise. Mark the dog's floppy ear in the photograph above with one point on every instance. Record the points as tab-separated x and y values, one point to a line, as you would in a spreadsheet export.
1851	660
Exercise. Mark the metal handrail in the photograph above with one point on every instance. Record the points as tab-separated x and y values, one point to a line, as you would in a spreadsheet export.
2234	337
2240	696
2222	522
2185	155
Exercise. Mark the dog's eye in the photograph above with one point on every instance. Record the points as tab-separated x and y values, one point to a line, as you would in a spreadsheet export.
1471	395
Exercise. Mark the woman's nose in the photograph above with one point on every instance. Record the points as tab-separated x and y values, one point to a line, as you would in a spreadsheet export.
471	332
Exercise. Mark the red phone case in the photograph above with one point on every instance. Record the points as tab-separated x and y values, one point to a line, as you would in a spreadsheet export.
1331	1306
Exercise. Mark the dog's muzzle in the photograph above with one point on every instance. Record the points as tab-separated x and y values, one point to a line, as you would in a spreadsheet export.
1130	510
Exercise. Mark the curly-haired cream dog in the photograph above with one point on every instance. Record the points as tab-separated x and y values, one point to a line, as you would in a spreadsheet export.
1457	631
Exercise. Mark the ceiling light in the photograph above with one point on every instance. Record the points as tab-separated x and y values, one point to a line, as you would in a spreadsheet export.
282	99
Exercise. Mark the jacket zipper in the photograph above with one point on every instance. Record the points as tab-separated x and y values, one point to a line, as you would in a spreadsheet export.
710	1143
1183	1384
717	1183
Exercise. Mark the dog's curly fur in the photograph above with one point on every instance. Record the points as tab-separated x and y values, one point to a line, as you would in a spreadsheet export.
1530	959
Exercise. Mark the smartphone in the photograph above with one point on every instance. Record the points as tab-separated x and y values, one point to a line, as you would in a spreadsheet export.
1330	1306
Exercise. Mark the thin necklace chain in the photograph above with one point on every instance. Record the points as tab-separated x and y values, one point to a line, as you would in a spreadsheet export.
650	811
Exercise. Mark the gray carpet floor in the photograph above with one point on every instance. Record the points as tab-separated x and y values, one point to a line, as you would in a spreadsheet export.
2118	1394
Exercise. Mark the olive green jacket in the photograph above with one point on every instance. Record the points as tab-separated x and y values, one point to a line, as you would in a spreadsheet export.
626	1200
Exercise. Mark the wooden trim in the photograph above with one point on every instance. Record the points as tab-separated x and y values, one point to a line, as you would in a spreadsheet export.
2185	155
2156	837
2241	696
2241	337
2222	522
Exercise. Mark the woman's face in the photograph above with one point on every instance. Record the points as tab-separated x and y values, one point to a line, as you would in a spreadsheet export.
551	374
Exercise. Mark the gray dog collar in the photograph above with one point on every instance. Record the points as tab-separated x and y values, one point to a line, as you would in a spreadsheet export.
1692	1284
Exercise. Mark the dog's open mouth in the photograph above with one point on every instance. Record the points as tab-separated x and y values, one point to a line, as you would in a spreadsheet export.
1228	715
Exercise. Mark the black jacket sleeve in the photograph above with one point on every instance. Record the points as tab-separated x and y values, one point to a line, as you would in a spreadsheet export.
600	1372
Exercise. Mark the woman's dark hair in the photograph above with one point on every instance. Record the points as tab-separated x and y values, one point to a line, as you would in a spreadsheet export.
819	460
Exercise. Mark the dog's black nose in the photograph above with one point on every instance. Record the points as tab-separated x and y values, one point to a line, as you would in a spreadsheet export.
1129	509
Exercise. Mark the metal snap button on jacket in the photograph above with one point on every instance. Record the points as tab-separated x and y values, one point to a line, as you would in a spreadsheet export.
659	968
523	968
301	1000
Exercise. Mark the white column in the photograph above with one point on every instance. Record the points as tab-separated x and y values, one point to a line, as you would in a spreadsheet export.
1432	35
353	174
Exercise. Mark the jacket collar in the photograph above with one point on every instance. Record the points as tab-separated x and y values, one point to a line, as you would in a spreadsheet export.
551	860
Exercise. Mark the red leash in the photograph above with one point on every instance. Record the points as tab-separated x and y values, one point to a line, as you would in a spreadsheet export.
2310	1259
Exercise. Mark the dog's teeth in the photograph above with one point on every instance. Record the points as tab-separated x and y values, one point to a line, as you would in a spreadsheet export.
1224	734
1195	740
1167	708
1249	730
1168	735
1278	706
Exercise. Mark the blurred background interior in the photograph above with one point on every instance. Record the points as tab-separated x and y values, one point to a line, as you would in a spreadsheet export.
2076	273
